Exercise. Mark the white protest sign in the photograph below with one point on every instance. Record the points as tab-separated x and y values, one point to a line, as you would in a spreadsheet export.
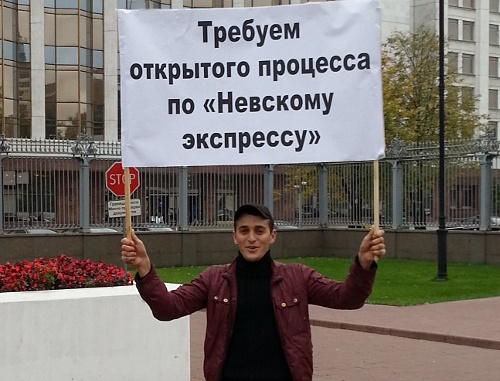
263	85
117	208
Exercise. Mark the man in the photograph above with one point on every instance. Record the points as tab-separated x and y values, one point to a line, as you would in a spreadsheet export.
257	309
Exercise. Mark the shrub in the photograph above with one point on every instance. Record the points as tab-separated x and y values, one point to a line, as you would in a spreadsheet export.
60	273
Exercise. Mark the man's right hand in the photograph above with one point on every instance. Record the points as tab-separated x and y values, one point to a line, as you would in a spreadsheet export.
134	254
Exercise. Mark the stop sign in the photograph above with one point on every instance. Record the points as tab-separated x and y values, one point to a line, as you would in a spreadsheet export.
115	179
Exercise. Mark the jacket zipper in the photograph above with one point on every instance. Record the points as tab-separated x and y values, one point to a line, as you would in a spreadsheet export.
229	324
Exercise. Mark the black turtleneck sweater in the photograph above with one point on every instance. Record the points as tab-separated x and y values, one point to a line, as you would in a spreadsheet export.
255	352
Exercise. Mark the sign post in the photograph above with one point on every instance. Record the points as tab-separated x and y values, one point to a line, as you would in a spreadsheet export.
123	182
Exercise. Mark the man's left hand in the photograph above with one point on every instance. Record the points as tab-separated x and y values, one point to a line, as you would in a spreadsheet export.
372	248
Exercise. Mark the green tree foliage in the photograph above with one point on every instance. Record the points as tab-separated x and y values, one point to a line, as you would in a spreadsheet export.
410	81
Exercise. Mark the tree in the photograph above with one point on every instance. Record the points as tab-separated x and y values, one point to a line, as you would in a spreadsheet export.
410	79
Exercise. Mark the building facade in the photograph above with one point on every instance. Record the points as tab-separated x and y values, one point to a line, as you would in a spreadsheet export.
60	71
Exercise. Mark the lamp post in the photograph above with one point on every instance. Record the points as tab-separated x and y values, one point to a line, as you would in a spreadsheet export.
300	187
441	232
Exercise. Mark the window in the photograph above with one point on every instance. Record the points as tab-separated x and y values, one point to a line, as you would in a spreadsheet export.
453	29
493	99
468	196
468	31
453	197
467	92
493	69
493	128
468	4
453	3
493	34
494	6
467	63
453	61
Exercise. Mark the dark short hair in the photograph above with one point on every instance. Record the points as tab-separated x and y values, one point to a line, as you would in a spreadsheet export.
254	210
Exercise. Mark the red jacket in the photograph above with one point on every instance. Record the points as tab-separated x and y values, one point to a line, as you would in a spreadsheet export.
293	287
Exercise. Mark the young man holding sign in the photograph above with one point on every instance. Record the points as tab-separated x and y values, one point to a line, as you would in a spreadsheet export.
257	309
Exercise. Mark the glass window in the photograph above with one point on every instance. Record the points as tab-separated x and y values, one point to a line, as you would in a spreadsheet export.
10	109
98	34
25	110
468	3
494	6
67	111
98	59
68	131
86	32
10	87
50	120
50	55
453	29
67	4
453	61
85	87
9	24
135	4
98	84
67	86
9	50
23	53
453	2
50	29
493	99
84	113
97	6
24	26
66	30
468	31
25	128
85	57
24	83
493	128
49	4
50	86
493	34
204	4
467	63
66	55
467	92
493	68
85	5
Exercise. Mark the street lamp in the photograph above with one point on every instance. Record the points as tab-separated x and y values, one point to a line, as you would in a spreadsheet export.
441	232
300	187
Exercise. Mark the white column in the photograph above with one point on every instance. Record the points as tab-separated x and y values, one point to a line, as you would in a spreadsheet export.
37	56
110	71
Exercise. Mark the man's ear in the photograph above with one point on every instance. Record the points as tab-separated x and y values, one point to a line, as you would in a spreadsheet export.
274	233
234	238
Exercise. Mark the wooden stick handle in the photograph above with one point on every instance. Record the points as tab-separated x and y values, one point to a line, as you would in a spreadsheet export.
128	220
376	197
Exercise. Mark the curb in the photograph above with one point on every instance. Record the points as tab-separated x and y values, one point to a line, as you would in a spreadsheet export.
417	335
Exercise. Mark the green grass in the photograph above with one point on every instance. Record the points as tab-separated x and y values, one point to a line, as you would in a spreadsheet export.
398	282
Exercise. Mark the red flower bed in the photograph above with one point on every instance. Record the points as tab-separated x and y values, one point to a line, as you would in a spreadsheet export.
60	273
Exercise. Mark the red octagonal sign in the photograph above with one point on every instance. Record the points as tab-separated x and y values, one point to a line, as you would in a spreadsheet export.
115	179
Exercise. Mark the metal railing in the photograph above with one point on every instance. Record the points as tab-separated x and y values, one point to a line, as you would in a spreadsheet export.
61	185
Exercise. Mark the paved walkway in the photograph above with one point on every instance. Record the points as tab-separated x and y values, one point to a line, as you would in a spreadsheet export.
457	341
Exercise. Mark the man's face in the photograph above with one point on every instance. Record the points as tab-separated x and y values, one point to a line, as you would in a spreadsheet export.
253	237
